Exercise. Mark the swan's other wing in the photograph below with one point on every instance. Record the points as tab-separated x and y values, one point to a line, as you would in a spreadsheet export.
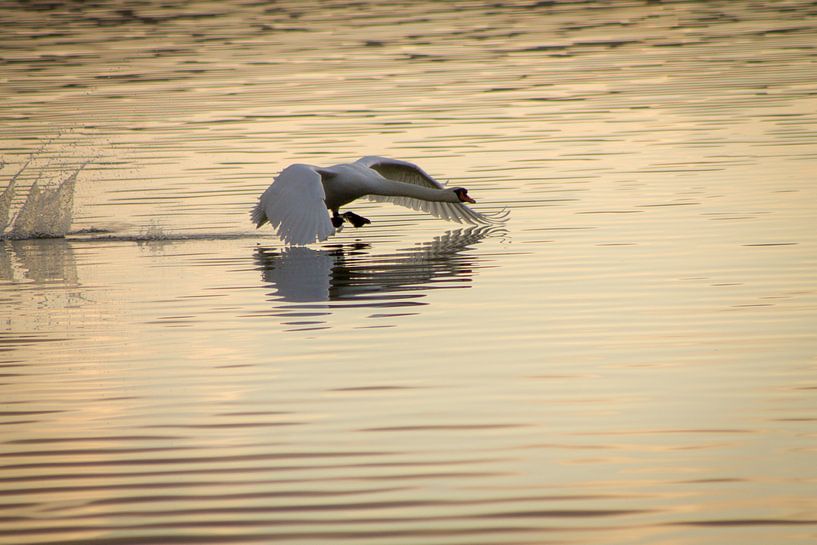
404	171
294	205
401	171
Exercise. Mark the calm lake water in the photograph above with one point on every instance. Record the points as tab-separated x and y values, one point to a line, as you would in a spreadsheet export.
630	359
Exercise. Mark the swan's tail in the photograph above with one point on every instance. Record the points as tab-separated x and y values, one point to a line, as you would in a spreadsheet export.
259	217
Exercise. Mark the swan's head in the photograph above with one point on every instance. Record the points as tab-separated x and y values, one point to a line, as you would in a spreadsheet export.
462	195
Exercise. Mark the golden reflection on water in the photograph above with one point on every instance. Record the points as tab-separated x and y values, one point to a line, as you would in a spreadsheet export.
633	360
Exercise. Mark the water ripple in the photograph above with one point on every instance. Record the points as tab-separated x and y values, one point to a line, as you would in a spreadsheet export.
618	365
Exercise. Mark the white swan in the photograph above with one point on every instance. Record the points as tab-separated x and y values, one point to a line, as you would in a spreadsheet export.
298	200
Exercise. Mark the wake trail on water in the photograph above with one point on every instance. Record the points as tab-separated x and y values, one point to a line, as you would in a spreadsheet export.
152	235
47	212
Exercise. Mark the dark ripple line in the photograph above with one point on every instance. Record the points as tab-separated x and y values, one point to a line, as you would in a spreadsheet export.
266	469
242	496
22	505
177	485
330	522
199	460
430	475
226	425
176	539
30	340
27	413
368	505
92	452
744	522
372	388
50	440
448	427
254	413
691	431
532	514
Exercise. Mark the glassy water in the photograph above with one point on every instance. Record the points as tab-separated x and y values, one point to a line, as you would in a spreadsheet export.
629	359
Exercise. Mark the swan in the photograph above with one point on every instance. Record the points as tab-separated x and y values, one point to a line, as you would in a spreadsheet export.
298	201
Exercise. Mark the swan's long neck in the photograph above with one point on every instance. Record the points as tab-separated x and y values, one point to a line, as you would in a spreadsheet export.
391	188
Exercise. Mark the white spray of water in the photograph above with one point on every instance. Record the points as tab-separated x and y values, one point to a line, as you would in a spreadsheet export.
7	198
5	206
46	213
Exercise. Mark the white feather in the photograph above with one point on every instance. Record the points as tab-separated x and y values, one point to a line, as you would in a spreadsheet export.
294	205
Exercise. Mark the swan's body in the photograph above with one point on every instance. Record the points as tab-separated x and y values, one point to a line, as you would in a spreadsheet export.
298	201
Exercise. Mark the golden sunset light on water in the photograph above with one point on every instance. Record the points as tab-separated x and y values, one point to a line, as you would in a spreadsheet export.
626	356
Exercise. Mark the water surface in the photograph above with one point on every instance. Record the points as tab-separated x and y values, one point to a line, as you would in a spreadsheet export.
629	359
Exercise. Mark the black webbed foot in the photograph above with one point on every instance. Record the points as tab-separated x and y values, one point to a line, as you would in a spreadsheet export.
337	221
354	219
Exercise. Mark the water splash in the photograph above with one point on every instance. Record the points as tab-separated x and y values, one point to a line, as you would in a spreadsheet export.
7	198
5	206
46	213
154	231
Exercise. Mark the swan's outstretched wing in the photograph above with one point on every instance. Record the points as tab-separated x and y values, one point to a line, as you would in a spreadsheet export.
404	171
294	205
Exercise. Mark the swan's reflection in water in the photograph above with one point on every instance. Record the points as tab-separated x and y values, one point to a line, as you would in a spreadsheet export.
40	261
38	285
350	275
